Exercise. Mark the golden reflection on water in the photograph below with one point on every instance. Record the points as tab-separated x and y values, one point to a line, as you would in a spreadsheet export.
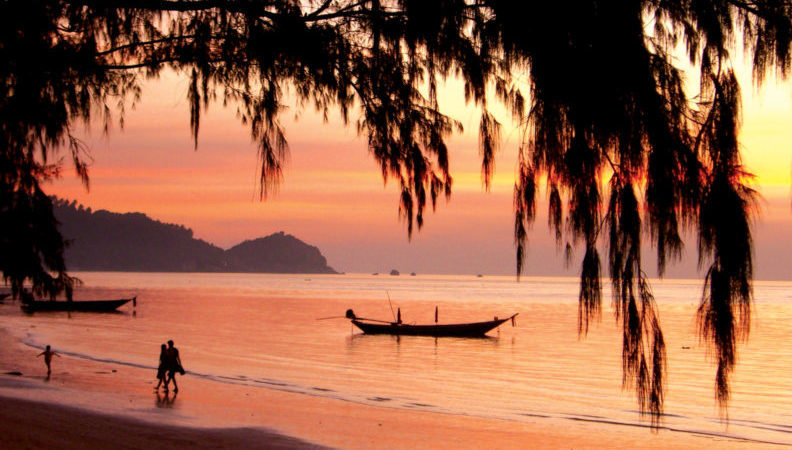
261	330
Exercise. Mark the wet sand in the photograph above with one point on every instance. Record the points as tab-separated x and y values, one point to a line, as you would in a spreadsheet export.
88	404
31	424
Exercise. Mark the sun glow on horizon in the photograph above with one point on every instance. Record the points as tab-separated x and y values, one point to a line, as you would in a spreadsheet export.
333	194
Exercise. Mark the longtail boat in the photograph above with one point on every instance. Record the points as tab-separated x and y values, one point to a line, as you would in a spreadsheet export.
473	329
76	305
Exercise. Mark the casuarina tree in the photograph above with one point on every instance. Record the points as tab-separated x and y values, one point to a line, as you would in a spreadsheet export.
630	153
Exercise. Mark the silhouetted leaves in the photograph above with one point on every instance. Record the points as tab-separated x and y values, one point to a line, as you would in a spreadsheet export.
725	240
608	102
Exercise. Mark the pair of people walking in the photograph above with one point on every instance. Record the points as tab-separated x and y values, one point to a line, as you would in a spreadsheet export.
169	365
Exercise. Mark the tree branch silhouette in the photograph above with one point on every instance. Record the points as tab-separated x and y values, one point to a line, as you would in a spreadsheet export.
604	97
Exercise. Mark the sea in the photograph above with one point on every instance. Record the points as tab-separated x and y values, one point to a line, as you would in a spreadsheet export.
287	332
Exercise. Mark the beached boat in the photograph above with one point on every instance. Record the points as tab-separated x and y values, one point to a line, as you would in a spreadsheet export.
473	329
76	305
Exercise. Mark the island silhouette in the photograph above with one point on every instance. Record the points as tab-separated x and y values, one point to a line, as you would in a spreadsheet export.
107	241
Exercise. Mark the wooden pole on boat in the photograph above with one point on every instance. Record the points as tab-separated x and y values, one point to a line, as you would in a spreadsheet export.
373	320
391	305
435	314
398	317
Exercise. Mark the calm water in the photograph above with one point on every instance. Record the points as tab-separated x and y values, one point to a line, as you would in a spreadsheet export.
261	330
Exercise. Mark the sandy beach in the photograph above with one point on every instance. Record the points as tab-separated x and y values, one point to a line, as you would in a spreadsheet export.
47	425
88	404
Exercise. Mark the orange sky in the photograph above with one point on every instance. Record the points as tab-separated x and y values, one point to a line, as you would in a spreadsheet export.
333	194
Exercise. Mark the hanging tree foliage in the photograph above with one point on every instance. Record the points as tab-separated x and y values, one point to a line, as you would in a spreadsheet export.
624	149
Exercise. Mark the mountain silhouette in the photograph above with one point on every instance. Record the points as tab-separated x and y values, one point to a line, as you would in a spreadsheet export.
107	241
279	253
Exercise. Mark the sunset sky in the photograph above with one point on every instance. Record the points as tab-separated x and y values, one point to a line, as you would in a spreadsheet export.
333	195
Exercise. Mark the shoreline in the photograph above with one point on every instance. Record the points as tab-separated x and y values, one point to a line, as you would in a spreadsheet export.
91	403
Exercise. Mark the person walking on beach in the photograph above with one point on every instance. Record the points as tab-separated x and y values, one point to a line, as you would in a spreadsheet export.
174	366
162	369
48	353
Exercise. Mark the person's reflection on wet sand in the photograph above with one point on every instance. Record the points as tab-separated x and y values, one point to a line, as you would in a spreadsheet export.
165	400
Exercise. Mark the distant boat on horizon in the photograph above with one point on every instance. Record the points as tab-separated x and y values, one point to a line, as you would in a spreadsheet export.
394	272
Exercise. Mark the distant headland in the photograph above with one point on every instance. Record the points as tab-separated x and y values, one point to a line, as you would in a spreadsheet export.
107	241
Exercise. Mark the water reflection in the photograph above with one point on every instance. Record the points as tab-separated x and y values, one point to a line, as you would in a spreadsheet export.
380	342
165	400
255	325
359	338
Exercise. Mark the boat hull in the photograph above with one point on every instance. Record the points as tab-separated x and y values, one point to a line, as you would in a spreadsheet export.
79	306
475	329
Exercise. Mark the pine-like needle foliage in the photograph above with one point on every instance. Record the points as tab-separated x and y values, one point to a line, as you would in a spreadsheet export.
608	103
611	131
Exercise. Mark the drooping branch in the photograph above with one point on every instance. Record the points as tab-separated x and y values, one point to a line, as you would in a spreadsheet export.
725	240
643	345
